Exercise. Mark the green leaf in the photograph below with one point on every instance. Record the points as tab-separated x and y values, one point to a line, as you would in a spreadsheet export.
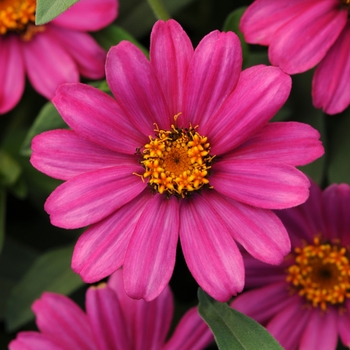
50	272
232	329
10	170
232	24
46	10
159	9
48	119
2	215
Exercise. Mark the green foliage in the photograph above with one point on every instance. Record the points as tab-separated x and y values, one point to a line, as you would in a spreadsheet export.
2	215
232	329
50	272
10	170
46	10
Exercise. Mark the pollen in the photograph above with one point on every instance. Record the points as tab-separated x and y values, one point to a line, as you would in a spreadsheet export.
16	15
177	161
321	274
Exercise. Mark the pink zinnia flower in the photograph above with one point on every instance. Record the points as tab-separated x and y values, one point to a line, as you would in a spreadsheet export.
305	302
112	321
302	34
50	54
184	150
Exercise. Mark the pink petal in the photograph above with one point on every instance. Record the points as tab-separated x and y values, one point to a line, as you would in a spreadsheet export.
287	142
212	76
263	303
343	328
192	333
150	258
210	253
90	197
260	184
171	51
44	70
34	341
101	249
264	17
97	117
259	231
63	154
106	318
320	331
331	83
12	74
259	94
302	42
88	15
136	88
55	315
87	54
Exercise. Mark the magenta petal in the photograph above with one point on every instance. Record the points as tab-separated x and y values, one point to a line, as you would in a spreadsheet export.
34	341
343	328
331	83
302	42
260	184
97	117
55	314
90	197
259	231
150	258
287	142
136	88
106	318
88	15
212	76
261	91
12	74
73	155
44	70
101	249
192	333
210	253
171	51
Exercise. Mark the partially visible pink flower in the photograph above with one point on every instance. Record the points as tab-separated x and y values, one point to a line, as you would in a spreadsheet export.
51	54
183	151
305	302
112	321
302	34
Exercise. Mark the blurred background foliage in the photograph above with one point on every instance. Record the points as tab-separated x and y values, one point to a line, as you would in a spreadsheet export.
35	256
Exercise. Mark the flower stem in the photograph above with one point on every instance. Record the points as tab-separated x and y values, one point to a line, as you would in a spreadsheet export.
159	9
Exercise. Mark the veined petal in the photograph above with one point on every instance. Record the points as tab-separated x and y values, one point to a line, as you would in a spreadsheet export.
55	314
97	117
261	91
33	341
343	328
259	231
302	42
212	76
170	53
331	83
73	155
286	142
101	249
136	88
260	184
12	73
90	197
88	15
210	253
44	70
150	258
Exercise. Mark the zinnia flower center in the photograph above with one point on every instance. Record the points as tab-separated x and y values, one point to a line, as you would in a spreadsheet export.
346	3
321	273
18	16
177	161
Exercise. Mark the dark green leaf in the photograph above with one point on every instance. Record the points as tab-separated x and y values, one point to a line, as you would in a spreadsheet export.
50	272
46	10
10	170
232	329
2	215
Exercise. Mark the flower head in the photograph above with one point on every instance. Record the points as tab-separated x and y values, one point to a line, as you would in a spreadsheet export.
184	150
50	54
303	34
112	321
305	302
